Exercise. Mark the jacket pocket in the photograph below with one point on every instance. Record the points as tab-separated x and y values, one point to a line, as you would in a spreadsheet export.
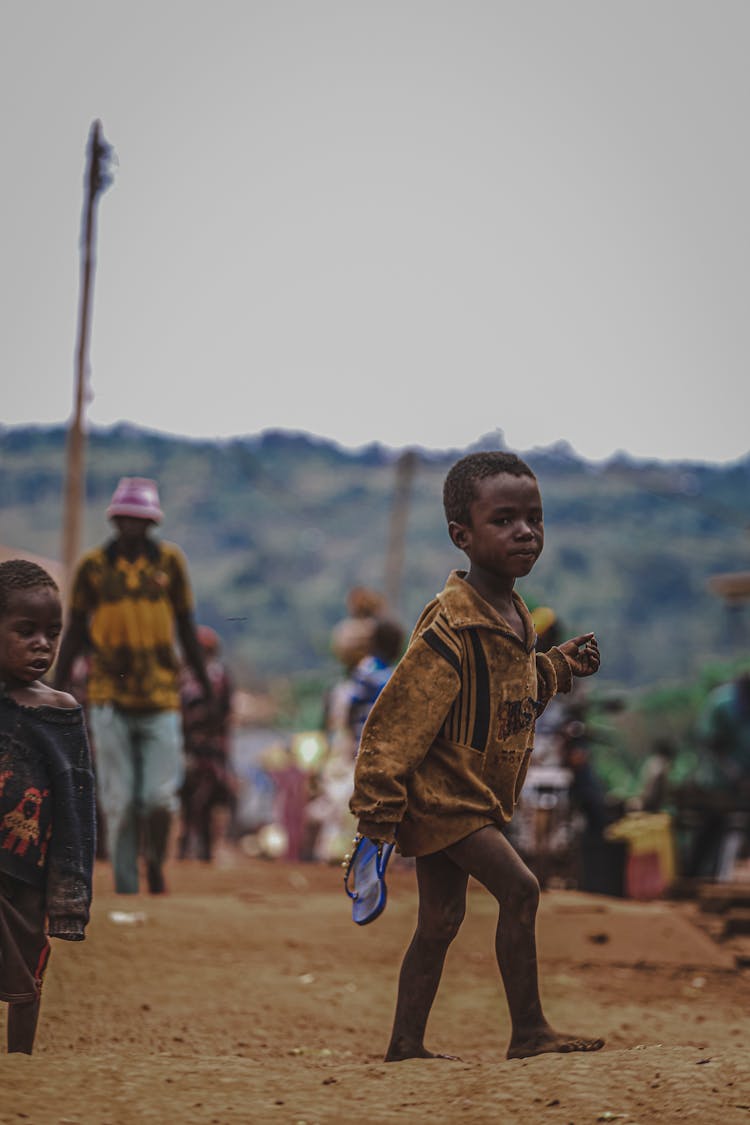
451	778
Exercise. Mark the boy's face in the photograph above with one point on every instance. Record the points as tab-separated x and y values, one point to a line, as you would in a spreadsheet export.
506	534
30	631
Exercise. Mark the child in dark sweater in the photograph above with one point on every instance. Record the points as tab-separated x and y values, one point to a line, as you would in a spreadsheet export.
47	833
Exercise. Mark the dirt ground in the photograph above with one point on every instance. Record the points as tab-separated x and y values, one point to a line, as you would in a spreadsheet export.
247	995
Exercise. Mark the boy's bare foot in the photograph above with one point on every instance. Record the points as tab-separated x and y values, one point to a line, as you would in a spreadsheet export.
399	1054
547	1040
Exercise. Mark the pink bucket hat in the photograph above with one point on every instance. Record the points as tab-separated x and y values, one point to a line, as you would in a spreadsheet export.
136	496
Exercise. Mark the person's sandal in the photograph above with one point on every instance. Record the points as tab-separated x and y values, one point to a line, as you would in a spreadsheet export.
364	879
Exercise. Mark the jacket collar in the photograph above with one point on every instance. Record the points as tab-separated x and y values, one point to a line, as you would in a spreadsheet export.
466	609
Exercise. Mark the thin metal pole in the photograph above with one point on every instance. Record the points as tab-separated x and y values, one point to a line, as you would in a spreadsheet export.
95	181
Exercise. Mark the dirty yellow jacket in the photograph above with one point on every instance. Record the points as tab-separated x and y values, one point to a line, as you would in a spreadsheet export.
446	747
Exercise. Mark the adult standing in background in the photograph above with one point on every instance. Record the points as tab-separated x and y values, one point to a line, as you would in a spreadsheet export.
724	772
130	600
724	729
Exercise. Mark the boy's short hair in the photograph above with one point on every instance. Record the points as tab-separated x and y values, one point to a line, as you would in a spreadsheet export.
21	574
460	485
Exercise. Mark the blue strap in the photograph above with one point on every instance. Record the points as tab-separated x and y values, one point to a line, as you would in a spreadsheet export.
381	861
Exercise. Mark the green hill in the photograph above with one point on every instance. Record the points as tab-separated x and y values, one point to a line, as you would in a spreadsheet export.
278	526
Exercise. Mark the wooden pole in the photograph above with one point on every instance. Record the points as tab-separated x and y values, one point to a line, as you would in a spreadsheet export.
406	467
95	181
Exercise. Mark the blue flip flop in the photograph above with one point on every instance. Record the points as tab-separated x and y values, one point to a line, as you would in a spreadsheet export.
364	880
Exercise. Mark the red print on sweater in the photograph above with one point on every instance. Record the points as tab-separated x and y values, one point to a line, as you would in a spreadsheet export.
22	822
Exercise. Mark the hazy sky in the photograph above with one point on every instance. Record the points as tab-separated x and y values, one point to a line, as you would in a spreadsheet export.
414	222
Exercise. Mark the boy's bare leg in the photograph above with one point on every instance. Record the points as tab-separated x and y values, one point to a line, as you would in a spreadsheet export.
487	855
22	1021
442	903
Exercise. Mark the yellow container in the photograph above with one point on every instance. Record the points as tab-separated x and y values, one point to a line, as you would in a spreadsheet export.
648	834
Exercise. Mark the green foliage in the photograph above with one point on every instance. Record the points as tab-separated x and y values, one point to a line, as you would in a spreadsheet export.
277	527
621	741
302	701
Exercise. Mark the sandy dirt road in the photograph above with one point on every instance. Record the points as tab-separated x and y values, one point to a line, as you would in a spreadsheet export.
247	995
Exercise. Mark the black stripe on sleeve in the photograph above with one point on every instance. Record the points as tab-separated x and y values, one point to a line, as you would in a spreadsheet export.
438	644
482	714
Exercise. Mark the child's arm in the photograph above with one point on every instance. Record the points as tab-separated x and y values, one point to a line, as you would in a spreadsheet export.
556	668
400	729
71	849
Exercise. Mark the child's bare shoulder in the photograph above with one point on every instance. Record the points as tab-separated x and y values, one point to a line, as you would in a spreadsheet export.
61	699
42	695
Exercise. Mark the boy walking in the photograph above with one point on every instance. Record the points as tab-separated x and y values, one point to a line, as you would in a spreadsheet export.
46	798
446	748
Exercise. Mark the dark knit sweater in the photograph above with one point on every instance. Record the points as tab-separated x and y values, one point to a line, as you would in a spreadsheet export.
47	825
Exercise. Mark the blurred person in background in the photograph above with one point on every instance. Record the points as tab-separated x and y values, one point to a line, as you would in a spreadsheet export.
331	824
724	775
372	673
130	600
209	786
654	794
724	729
351	641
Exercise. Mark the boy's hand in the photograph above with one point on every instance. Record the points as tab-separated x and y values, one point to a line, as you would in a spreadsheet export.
582	653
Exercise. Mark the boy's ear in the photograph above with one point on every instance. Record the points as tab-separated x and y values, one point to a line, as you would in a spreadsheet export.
459	534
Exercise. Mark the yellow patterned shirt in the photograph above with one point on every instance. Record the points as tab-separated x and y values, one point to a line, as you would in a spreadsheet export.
131	609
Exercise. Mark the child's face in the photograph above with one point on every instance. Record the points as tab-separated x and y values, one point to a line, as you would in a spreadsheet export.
29	634
506	533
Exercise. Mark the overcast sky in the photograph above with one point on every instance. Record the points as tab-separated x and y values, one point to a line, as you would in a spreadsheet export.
415	222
